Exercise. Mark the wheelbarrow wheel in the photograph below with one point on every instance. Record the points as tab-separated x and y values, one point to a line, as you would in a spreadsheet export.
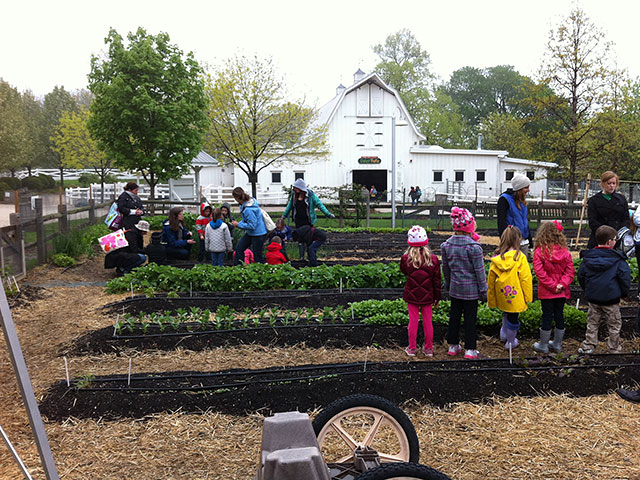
404	471
363	420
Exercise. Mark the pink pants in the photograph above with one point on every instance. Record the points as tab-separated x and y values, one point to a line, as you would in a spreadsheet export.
414	318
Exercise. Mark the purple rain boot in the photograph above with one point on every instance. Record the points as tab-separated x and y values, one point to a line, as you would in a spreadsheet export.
511	335
503	329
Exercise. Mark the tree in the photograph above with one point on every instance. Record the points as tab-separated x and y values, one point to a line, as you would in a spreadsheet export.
252	123
404	65
14	135
55	103
574	69
440	121
149	112
503	131
34	115
77	148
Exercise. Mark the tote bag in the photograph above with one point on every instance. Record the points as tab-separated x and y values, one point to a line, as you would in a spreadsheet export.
267	221
113	241
114	218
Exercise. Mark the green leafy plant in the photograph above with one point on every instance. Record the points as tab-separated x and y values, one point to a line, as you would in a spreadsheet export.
62	260
85	381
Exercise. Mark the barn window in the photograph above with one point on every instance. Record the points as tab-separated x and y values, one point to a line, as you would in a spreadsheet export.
531	175
276	177
481	176
437	176
459	176
508	175
298	175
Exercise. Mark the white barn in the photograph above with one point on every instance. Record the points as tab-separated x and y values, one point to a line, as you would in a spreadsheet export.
360	133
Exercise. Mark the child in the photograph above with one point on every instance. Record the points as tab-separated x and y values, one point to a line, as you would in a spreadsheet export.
510	283
463	268
275	255
422	290
217	239
201	223
553	266
283	231
605	277
313	238
156	250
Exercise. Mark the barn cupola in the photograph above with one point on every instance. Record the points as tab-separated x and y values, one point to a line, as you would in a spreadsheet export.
359	75
339	89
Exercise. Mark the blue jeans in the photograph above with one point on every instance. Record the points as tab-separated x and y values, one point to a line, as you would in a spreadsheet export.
141	259
178	253
202	253
552	310
256	243
217	258
319	239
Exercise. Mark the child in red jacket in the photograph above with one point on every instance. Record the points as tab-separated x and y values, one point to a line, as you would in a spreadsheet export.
553	266
275	255
422	290
201	224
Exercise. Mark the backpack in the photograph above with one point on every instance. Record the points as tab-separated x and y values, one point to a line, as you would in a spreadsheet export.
268	223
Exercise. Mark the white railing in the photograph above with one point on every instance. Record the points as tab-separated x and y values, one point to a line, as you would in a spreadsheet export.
71	173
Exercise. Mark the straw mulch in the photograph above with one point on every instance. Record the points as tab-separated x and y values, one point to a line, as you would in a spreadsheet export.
516	438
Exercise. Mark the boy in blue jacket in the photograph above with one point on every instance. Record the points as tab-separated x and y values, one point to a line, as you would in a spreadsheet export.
605	277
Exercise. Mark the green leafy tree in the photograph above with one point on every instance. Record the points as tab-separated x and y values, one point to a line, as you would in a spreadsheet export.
253	125
77	148
14	135
504	131
440	121
55	103
34	115
149	112
574	69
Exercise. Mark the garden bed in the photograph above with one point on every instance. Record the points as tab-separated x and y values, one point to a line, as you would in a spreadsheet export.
309	386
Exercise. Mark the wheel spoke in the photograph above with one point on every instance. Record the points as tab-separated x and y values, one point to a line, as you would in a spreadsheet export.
347	459
385	457
377	421
346	438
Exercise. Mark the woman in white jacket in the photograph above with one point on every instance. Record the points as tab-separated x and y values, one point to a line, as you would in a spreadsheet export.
217	239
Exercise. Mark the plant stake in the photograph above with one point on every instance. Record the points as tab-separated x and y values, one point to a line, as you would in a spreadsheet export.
578	303
510	355
366	357
340	284
352	314
129	375
191	289
66	369
131	284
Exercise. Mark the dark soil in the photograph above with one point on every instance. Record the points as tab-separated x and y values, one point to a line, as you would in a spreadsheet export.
307	387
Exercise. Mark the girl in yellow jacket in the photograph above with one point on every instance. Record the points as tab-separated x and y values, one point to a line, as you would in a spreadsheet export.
510	283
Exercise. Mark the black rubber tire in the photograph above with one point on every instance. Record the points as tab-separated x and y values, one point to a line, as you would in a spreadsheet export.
405	470
365	400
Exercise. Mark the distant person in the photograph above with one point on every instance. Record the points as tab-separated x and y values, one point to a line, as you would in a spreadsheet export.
302	207
413	196
217	239
373	192
253	225
283	231
227	217
418	194
176	237
201	223
127	258
312	238
553	266
156	250
607	207
605	277
275	253
130	205
422	290
512	210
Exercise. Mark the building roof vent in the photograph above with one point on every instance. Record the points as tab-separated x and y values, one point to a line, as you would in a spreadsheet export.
359	75
340	88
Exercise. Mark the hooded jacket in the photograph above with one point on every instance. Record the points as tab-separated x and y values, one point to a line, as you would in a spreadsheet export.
553	271
217	237
307	235
252	222
510	283
312	201
423	285
274	254
202	220
463	268
604	276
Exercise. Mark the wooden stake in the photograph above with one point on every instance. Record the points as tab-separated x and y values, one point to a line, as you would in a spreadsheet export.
129	375
584	205
66	369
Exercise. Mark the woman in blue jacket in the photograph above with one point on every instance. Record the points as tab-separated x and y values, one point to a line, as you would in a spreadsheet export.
512	210
177	238
253	225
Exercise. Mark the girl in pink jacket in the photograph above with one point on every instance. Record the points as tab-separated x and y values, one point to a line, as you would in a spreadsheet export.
553	266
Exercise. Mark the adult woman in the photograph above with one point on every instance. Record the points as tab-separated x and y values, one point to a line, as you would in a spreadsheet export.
177	238
130	205
512	210
607	207
253	225
302	206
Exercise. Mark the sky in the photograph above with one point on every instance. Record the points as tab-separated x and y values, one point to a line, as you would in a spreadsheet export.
314	45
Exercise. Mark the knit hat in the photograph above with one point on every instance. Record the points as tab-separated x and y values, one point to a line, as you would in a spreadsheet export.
300	185
519	181
156	238
417	237
463	221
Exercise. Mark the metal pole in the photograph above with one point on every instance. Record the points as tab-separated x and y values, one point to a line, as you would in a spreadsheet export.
26	389
393	172
15	455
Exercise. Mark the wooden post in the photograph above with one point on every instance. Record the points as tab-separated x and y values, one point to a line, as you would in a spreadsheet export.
60	195
16	201
540	203
14	219
40	233
114	193
584	205
368	209
92	211
63	221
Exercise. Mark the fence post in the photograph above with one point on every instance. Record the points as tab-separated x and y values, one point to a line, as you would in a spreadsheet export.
368	197
14	219
40	233
63	221
92	211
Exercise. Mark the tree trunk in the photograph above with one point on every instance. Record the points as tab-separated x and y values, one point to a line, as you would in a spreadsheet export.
29	169
62	177
253	179
102	189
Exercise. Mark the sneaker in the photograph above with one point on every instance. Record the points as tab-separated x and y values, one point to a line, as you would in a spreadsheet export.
472	354
428	352
411	351
585	351
454	350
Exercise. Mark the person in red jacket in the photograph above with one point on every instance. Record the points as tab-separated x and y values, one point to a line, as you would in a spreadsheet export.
422	290
201	224
553	266
275	255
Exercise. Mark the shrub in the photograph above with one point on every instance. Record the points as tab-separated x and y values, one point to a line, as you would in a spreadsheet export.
12	182
87	179
47	181
62	260
80	242
33	183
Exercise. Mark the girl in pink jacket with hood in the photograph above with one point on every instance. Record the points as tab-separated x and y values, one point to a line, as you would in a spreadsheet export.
553	266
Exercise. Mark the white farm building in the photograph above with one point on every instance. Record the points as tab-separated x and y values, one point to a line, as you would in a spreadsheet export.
360	133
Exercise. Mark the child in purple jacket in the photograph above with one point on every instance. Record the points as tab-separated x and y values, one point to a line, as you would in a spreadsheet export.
465	279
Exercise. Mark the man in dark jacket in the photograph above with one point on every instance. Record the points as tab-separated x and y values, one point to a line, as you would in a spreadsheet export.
127	258
313	238
605	277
